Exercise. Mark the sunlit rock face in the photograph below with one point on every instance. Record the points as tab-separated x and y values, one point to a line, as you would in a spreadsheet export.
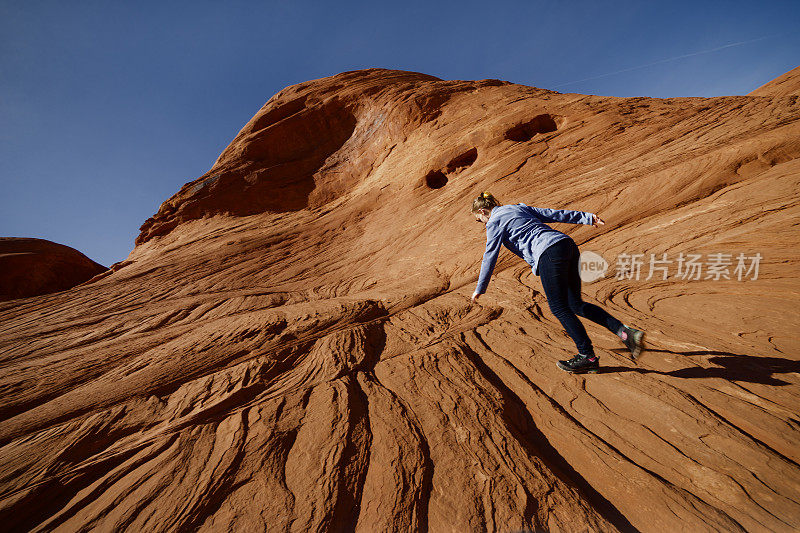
291	344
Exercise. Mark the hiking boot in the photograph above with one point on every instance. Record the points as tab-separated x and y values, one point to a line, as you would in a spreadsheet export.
580	363
633	339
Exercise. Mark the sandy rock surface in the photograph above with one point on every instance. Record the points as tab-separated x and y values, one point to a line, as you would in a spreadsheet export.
291	344
31	267
785	85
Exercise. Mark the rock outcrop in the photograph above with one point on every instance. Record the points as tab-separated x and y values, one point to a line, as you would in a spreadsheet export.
291	344
31	267
785	85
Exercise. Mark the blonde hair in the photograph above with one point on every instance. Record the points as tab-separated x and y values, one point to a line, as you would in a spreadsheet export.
484	201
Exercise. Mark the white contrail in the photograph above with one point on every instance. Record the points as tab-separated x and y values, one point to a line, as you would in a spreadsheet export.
666	60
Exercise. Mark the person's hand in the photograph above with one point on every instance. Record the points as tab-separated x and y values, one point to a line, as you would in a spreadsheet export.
475	297
597	221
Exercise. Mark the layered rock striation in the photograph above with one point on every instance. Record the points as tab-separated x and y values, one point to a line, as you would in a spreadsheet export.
291	344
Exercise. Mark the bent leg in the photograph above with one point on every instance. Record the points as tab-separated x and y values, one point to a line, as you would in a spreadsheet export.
593	312
554	271
598	315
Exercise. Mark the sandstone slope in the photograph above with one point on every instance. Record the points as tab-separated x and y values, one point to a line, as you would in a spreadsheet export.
291	344
784	85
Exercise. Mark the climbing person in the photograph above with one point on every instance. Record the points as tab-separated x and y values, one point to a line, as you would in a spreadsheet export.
554	257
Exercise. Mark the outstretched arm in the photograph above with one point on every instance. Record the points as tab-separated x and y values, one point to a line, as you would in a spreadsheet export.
564	215
597	221
494	239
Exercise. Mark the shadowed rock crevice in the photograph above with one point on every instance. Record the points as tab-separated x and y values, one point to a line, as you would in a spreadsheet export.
218	491
524	429
462	161
355	461
544	123
398	488
436	179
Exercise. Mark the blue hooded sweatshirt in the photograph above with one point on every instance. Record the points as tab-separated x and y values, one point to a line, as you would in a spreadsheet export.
522	229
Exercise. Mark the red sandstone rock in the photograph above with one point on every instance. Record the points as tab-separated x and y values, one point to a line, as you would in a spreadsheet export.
785	85
291	343
31	267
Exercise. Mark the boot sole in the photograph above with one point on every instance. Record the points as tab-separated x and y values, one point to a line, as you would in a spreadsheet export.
577	370
639	348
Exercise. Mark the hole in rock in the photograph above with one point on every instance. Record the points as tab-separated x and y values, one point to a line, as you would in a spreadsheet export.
436	179
526	131
464	160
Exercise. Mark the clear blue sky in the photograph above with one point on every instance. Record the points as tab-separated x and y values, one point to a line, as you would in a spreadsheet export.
107	107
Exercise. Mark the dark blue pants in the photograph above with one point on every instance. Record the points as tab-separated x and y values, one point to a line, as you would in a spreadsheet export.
559	269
